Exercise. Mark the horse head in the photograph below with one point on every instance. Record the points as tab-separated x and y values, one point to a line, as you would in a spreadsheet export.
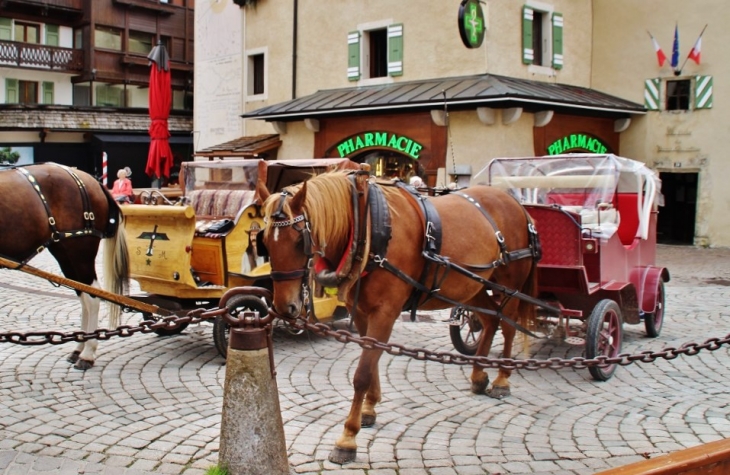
288	239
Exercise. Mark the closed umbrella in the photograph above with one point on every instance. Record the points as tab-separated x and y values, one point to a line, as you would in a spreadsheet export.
159	158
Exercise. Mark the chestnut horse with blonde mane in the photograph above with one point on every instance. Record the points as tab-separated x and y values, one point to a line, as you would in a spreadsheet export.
68	212
483	229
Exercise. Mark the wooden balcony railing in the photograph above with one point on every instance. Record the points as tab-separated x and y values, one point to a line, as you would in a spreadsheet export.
28	55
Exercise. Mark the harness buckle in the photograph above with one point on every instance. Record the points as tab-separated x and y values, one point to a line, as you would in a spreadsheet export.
56	236
380	261
51	220
429	231
86	215
500	238
531	228
91	215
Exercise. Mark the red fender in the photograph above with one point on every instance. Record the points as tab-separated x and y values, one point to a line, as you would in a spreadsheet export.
646	280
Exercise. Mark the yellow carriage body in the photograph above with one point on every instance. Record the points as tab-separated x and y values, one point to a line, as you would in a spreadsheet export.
203	245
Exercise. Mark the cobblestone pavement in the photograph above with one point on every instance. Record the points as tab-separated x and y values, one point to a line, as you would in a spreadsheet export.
152	404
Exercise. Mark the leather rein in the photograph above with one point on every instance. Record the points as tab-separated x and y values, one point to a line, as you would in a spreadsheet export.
377	258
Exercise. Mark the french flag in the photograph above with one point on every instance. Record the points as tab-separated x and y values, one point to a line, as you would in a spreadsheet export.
694	53
660	56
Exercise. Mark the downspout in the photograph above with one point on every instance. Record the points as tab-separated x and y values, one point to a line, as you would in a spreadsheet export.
294	51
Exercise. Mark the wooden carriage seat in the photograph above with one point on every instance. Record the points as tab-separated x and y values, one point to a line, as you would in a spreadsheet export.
220	203
628	207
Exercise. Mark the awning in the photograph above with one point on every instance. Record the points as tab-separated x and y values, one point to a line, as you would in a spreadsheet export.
244	147
140	138
458	93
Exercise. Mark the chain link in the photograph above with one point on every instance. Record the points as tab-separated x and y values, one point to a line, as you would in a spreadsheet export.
368	343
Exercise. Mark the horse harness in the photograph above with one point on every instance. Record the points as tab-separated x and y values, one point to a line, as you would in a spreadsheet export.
57	235
377	246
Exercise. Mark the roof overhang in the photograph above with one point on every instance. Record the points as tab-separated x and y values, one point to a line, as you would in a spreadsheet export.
462	93
243	147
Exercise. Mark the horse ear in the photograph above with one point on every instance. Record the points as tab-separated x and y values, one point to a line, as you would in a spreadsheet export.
298	201
262	192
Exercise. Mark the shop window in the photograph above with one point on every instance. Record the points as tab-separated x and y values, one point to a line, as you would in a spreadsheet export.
108	38
256	74
375	53
140	42
27	32
542	36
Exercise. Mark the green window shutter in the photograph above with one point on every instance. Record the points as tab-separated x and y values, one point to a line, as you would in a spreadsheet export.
557	40
47	93
395	50
527	54
353	52
52	37
6	29
703	92
651	94
11	91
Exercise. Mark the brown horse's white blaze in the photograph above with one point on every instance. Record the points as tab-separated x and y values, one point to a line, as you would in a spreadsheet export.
312	222
83	213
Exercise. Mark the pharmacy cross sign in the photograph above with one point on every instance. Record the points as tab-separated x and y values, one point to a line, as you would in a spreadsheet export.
471	23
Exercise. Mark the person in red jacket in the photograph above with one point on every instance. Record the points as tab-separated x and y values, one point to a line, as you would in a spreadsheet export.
122	189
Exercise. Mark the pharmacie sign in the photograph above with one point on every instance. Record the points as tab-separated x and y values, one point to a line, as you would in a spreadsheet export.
398	143
574	142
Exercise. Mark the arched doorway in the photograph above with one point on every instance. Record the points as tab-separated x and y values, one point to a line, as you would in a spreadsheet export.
389	164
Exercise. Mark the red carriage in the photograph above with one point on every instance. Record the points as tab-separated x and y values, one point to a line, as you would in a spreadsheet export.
596	218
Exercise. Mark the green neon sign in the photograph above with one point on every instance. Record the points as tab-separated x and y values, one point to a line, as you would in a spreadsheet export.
471	23
577	142
399	143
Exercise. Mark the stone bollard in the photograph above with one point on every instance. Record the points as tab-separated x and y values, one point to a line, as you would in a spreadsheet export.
252	432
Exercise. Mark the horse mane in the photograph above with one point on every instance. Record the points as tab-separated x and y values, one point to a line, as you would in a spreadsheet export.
328	206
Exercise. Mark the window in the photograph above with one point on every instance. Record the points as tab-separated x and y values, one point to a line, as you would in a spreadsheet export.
47	92
108	38
21	92
6	29
52	36
542	36
27	32
140	42
78	38
678	95
109	95
82	95
375	52
256	74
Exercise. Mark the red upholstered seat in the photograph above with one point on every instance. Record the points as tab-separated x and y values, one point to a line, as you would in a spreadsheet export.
628	208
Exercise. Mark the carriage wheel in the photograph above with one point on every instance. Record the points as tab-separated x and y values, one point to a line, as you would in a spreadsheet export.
465	335
604	336
653	321
235	305
165	331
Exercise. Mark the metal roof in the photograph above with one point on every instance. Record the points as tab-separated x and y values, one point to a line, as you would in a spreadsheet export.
465	92
249	146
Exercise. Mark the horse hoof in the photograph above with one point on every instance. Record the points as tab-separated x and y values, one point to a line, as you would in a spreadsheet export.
342	456
498	392
83	365
479	388
367	420
73	357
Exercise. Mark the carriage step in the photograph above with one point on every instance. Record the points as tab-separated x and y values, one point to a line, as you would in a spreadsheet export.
574	340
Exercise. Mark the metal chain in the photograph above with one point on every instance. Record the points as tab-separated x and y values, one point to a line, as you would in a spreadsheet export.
624	359
145	326
368	343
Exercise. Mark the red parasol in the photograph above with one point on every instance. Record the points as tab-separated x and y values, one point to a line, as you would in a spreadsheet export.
159	159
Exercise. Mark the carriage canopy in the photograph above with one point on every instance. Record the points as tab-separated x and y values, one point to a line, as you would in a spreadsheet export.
587	181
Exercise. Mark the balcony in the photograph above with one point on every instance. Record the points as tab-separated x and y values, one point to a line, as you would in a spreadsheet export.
28	55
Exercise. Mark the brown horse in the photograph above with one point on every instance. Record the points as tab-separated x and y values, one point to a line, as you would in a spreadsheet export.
311	226
68	212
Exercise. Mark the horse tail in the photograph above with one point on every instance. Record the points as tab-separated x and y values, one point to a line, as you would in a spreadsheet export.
116	260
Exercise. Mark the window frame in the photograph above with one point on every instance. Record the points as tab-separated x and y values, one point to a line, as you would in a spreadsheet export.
256	73
137	33
361	65
678	99
26	87
550	54
109	30
25	25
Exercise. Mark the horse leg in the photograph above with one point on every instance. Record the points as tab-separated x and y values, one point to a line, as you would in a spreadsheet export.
500	388
366	384
89	324
372	398
479	377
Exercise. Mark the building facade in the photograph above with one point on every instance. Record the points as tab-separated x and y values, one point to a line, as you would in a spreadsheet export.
440	91
74	78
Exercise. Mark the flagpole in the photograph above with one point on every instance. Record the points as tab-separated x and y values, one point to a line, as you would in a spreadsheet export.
687	58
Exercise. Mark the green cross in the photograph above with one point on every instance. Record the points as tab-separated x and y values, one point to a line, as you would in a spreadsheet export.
474	24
